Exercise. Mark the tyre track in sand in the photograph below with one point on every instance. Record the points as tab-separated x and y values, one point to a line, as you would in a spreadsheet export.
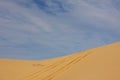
64	68
45	69
51	71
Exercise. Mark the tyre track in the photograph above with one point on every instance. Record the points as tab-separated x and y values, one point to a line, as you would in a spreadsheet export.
46	69
62	69
56	68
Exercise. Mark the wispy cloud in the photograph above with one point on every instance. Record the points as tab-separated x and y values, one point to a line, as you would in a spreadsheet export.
49	28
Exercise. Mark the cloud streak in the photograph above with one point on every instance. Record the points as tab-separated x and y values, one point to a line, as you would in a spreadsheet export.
49	28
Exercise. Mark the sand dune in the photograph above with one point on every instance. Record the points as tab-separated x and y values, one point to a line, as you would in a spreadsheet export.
101	63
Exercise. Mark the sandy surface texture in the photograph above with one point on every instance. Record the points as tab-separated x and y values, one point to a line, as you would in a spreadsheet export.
102	63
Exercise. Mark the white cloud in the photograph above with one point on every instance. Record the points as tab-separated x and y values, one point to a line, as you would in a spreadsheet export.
26	28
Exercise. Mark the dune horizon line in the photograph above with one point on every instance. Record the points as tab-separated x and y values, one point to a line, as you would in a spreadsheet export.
58	56
101	63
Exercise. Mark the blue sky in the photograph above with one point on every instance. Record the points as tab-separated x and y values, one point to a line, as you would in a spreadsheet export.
41	29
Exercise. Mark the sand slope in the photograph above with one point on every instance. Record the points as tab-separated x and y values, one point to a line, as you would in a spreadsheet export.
101	63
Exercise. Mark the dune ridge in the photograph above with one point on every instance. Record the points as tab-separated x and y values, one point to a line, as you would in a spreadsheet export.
53	70
94	64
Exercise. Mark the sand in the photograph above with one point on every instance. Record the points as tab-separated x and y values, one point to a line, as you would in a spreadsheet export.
102	63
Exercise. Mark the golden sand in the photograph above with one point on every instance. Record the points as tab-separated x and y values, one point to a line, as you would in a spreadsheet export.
101	63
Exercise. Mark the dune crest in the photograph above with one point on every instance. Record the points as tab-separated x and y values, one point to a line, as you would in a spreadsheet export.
101	63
